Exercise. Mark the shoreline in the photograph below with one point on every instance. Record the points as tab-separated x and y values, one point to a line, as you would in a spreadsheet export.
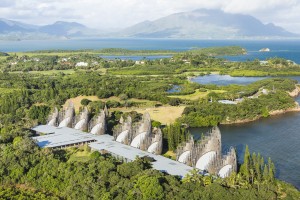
294	94
271	113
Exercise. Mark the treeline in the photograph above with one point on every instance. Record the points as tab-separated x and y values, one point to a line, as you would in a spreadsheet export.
103	177
220	51
108	51
57	89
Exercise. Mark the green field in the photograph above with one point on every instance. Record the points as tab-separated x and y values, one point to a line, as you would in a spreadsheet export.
197	95
53	72
79	154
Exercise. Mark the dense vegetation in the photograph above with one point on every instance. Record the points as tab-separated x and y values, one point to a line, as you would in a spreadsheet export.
207	113
28	172
220	51
193	61
109	51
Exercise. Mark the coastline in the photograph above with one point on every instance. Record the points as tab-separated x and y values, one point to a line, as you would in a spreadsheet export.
294	93
271	113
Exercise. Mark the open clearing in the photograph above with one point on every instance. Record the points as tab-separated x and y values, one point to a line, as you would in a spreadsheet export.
79	155
196	95
163	114
76	101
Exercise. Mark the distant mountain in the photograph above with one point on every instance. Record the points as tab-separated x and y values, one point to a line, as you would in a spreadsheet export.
64	29
203	23
7	26
16	30
198	24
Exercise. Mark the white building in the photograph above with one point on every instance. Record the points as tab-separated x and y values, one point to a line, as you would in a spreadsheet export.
81	64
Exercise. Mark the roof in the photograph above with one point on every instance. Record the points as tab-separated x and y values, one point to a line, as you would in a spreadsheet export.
60	136
64	136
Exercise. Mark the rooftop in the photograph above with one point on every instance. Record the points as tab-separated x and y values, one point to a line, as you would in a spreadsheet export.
58	137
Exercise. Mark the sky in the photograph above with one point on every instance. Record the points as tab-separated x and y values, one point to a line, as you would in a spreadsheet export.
114	14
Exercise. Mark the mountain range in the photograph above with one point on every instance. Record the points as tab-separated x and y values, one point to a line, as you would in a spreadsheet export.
205	23
16	30
197	24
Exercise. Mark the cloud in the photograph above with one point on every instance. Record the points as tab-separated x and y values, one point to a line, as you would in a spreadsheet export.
6	3
106	14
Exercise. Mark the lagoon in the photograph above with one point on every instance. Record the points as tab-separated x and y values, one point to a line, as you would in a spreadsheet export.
217	79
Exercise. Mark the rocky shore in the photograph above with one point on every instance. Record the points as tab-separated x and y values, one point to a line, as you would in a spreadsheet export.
295	92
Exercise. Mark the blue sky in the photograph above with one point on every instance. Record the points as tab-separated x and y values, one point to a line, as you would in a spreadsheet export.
112	14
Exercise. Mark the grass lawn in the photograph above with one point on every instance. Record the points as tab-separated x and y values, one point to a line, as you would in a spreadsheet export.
170	154
163	114
52	72
79	155
196	95
49	72
76	101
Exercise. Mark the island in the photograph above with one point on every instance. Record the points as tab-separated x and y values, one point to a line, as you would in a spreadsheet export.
264	50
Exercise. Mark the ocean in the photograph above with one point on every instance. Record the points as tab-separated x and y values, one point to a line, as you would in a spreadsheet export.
288	49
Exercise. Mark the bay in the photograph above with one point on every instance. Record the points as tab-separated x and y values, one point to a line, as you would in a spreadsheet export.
288	49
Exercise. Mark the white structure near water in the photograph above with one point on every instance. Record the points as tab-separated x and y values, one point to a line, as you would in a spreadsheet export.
132	139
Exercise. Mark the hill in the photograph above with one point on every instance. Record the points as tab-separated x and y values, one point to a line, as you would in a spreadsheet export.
15	30
203	23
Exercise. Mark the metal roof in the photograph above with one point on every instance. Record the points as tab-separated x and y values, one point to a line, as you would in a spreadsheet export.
58	137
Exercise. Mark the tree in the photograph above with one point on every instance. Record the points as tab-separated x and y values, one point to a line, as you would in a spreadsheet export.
245	168
85	102
150	188
194	176
266	173
123	97
271	170
175	101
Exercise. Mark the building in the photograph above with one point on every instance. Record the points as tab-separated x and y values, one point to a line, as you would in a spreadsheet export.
82	64
62	137
139	135
134	139
206	154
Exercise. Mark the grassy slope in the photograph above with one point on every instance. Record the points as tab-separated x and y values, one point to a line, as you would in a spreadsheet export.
197	95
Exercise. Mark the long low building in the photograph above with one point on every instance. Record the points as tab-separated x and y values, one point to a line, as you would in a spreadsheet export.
61	137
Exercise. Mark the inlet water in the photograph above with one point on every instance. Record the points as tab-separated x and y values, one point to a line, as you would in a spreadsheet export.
227	80
277	137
